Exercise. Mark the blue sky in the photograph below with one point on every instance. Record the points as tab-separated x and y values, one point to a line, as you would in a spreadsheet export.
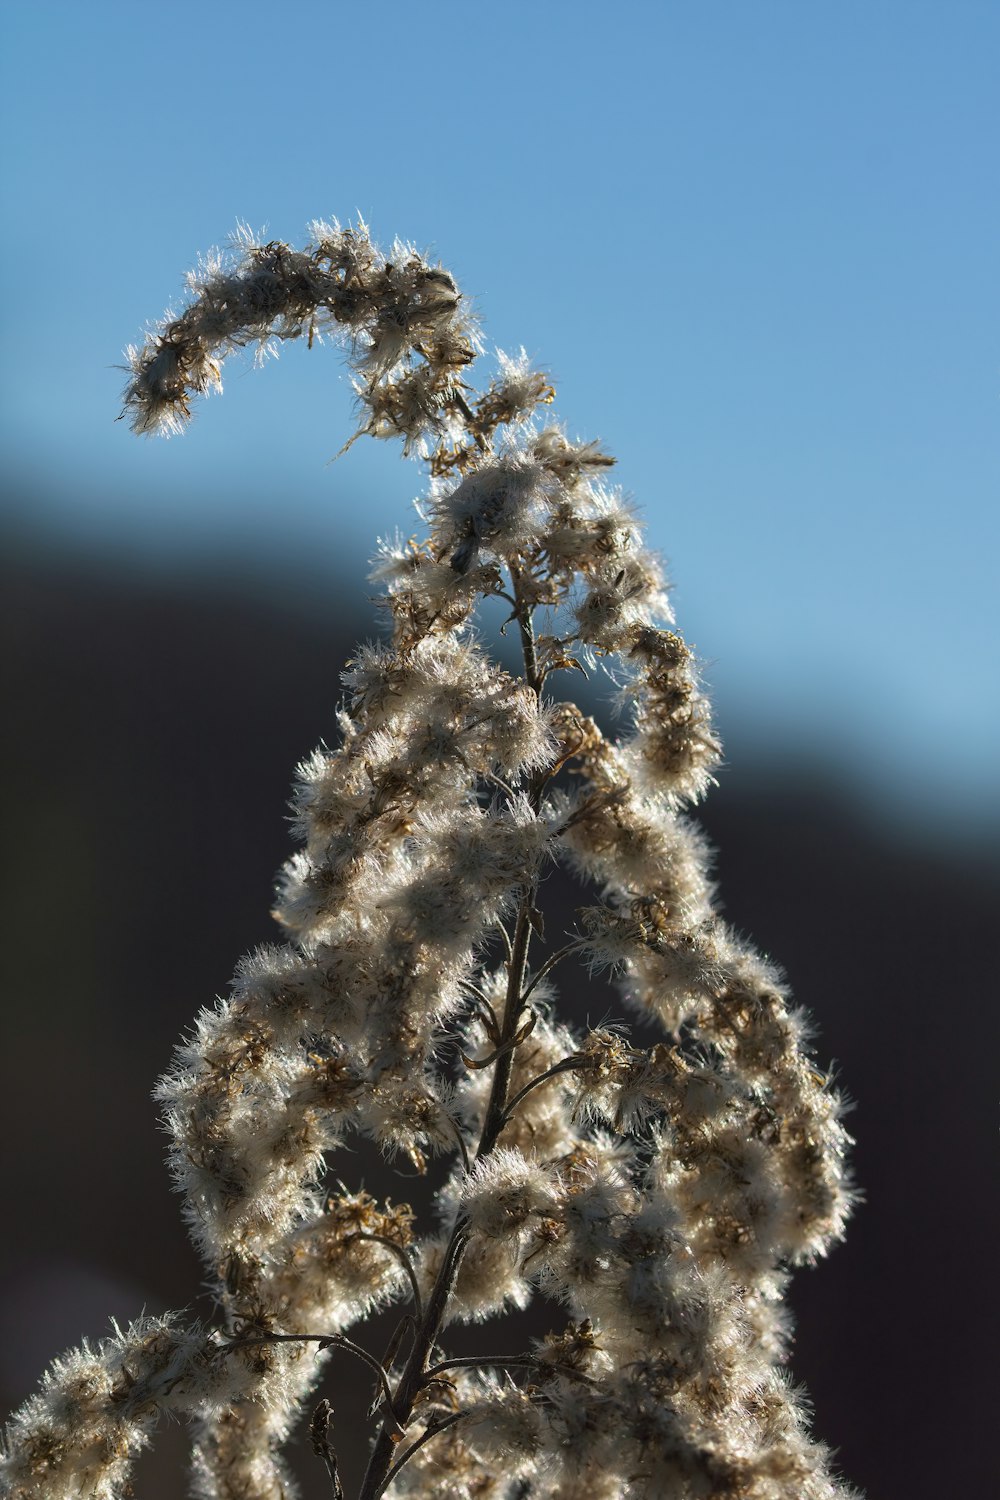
755	243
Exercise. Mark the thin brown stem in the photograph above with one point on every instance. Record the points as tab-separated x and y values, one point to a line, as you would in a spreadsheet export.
493	1122
525	625
467	984
325	1341
476	1063
505	935
405	1326
551	962
460	1138
508	1361
380	1466
425	1437
568	1065
401	1256
498	781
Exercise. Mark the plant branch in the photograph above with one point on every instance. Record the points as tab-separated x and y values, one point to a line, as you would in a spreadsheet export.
551	962
325	1341
575	1064
460	1138
401	1256
379	1465
429	1432
504	1361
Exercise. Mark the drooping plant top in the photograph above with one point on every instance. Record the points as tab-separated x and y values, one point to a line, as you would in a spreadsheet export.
658	1193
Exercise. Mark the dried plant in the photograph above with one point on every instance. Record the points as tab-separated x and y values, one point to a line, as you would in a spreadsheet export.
656	1195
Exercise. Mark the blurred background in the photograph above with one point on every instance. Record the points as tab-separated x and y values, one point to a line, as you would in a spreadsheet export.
755	245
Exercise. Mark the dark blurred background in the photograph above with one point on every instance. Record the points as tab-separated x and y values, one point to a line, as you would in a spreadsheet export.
153	720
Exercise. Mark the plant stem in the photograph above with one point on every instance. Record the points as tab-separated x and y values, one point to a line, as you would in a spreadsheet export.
380	1464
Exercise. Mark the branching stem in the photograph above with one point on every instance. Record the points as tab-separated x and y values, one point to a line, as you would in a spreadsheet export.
573	1064
325	1341
550	963
404	1458
404	1260
509	1361
380	1465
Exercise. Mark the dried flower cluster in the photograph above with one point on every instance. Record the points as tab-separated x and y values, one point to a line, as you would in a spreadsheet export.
656	1194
